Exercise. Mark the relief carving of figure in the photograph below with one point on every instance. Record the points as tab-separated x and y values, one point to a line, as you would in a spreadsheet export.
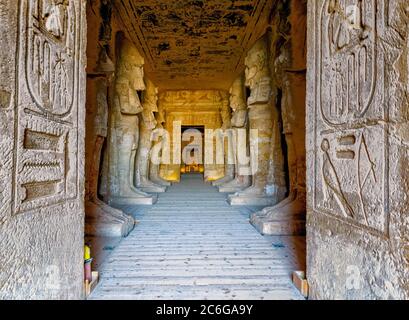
55	16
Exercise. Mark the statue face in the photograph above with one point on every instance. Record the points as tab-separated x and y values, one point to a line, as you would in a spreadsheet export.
136	73
234	101
255	62
155	100
149	119
251	72
160	117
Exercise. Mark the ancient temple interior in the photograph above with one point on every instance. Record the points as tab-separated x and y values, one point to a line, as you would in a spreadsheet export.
204	149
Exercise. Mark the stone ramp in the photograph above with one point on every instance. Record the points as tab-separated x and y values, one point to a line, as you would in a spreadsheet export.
193	245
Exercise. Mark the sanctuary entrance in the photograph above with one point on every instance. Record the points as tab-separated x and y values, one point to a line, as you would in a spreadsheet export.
193	146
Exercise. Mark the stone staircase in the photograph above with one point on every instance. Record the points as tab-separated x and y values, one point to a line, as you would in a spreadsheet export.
193	245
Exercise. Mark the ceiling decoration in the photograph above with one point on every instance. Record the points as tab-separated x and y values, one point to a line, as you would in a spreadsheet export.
194	44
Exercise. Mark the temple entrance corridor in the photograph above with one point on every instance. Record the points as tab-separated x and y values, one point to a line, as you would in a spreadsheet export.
204	149
193	245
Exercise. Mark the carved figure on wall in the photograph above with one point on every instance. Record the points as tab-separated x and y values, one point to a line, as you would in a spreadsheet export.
55	16
125	137
147	125
332	186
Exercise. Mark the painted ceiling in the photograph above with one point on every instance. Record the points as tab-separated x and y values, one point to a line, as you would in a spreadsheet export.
194	44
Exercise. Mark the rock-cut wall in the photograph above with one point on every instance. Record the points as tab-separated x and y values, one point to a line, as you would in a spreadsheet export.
357	149
42	99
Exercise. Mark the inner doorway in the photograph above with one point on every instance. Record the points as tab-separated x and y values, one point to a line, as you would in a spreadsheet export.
192	150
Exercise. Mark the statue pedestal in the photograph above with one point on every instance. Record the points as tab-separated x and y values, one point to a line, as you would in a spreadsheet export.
280	226
153	189
250	200
107	228
133	201
224	189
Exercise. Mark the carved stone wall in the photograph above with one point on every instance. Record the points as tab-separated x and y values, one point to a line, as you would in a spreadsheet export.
191	108
357	142
42	97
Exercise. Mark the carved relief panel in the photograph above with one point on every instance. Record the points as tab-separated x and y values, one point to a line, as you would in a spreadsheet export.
351	160
47	114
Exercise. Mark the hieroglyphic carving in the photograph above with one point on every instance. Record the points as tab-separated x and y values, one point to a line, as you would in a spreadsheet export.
348	59
46	162
50	59
352	164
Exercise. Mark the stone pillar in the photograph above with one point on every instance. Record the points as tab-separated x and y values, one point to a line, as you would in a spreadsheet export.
154	168
226	137
42	130
261	120
147	125
238	122
125	132
101	219
357	150
276	179
288	217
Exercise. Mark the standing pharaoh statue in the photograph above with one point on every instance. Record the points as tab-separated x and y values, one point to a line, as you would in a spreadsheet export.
238	123
148	124
261	122
154	167
288	217
101	219
227	144
125	135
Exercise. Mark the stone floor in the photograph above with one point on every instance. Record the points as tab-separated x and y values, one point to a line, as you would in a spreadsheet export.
193	245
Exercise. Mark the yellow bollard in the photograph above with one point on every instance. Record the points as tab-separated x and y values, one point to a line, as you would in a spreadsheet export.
87	253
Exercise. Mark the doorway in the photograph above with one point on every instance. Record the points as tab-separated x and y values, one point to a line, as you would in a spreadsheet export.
192	150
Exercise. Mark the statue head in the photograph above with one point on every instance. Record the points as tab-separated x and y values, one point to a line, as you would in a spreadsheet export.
130	65
281	63
160	116
225	110
105	64
237	94
258	73
150	97
256	63
238	102
150	104
129	78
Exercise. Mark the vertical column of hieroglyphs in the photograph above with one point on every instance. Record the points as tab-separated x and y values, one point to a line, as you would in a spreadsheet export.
45	210
353	107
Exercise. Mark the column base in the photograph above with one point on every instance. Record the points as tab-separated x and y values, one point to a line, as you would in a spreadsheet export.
280	227
133	201
250	200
